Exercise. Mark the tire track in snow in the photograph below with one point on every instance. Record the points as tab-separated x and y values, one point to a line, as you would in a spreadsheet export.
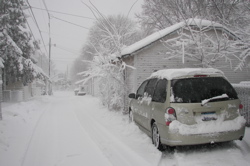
168	158
115	150
36	144
59	139
32	135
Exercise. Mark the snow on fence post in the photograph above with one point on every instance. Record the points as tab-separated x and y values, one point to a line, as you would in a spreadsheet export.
243	91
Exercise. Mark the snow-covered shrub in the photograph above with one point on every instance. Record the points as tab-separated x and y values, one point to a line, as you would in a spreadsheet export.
108	71
106	39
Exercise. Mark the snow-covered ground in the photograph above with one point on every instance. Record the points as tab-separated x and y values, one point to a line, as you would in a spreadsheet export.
68	130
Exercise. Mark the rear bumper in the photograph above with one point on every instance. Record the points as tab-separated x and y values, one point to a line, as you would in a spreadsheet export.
176	139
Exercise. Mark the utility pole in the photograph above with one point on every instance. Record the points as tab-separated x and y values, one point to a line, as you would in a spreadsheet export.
49	54
50	83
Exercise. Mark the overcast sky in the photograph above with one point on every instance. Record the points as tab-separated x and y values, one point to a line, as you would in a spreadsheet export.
67	39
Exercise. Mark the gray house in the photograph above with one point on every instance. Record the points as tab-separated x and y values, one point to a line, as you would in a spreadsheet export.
149	54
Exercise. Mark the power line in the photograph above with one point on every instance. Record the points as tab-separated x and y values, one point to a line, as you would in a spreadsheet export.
70	23
26	21
70	49
63	13
37	27
64	49
64	59
41	4
131	7
50	90
29	26
63	36
48	15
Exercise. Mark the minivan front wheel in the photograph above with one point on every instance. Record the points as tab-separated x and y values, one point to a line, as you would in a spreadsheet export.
156	137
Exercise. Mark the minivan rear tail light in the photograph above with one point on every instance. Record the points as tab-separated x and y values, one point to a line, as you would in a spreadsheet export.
170	111
170	115
240	108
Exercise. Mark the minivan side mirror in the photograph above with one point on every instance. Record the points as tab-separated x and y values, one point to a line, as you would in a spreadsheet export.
131	95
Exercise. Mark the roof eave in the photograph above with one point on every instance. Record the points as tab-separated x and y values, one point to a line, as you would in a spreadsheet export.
177	27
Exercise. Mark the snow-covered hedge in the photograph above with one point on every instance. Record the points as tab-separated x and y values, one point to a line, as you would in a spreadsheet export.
243	91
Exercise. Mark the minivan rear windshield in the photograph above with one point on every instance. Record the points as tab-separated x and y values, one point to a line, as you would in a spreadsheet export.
194	90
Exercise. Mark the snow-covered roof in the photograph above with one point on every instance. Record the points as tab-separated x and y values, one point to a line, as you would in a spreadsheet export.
162	33
170	74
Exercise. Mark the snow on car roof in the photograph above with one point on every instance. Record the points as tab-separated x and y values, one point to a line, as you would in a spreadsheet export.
169	74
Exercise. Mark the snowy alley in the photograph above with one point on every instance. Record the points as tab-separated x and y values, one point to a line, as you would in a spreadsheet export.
68	130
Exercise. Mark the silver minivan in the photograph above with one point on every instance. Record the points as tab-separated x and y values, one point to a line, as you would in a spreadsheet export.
187	107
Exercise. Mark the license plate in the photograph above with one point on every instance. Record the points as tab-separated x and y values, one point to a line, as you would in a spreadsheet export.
208	116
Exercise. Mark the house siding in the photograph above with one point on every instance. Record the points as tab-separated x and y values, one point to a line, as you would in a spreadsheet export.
153	58
234	76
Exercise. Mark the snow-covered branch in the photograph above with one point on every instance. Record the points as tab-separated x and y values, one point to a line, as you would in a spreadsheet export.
206	45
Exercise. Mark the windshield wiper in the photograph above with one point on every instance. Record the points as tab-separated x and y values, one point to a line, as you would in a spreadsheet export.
203	102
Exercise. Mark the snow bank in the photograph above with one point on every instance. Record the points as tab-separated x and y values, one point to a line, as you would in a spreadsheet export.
16	128
72	127
211	127
169	74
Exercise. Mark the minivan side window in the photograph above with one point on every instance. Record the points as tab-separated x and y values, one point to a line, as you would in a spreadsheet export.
160	91
141	89
150	87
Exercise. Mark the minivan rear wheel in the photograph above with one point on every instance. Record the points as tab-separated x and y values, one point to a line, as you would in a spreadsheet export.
156	137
